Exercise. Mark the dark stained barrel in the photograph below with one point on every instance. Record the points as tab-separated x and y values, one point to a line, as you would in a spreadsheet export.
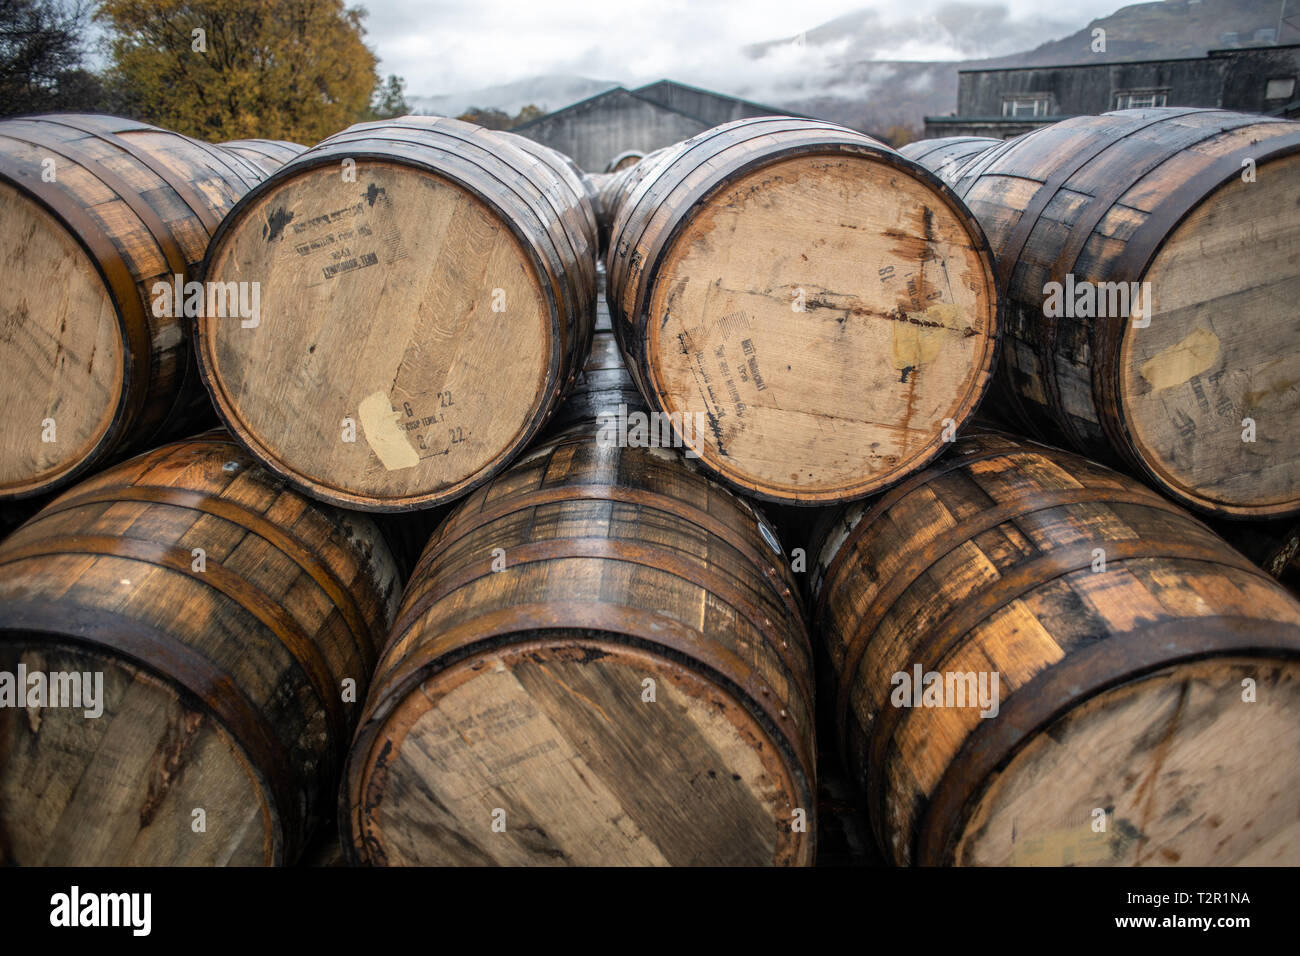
1039	660
233	624
1195	211
1273	545
825	306
600	660
97	210
604	387
427	290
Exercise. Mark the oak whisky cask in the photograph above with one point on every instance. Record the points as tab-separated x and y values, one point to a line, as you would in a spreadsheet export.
1139	680
624	160
825	305
224	612
603	387
1273	545
426	294
267	154
1195	211
96	210
948	156
631	684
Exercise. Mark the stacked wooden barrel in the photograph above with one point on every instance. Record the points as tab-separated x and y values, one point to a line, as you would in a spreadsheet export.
601	659
426	294
220	630
99	213
602	656
1142	679
826	307
1150	261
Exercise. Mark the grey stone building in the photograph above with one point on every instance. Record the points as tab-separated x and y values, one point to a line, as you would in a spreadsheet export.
1007	102
596	130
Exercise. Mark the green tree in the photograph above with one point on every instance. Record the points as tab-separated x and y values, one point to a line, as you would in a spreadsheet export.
41	55
389	99
228	69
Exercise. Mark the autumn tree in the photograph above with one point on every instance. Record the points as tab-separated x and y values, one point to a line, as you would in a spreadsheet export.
228	69
529	112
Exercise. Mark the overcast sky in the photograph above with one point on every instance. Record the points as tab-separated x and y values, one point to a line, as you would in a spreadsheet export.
453	45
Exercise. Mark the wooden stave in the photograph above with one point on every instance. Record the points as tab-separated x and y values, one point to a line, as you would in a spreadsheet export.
948	156
1273	545
619	162
1110	438
267	154
1080	676
559	243
345	644
477	159
641	237
155	403
407	662
603	386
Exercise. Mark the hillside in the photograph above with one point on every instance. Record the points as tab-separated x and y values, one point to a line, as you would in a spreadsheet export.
863	71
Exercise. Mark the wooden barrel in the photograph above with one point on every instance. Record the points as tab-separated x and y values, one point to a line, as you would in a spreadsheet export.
1273	545
427	290
824	305
617	186
96	210
1039	660
624	160
601	659
1196	390
223	615
267	154
949	156
604	386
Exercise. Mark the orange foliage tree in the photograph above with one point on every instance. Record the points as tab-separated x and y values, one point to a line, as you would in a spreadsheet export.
231	69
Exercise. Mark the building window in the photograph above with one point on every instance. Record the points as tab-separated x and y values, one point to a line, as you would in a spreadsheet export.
1140	99
1280	88
1025	105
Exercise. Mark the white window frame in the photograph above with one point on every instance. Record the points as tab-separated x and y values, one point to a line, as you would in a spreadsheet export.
1041	104
1288	95
1147	99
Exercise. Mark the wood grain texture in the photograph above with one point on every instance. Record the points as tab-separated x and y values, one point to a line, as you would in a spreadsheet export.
723	241
96	210
429	281
614	187
1155	196
223	671
603	385
1119	683
624	160
1273	545
268	154
519	694
948	157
